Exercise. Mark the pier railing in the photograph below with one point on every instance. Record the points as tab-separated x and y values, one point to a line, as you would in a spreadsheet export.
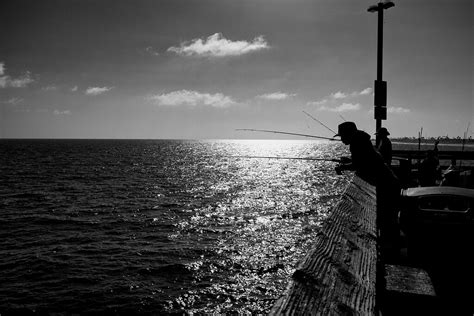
442	154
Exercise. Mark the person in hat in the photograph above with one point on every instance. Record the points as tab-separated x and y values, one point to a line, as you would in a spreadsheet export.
365	160
385	145
451	176
369	165
429	172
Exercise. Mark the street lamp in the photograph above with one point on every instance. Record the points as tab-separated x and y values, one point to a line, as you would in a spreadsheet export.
380	86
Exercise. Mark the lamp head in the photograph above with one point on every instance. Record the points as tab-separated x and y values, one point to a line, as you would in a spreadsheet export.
381	5
373	8
388	4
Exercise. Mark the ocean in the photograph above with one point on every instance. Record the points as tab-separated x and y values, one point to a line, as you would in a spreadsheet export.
158	226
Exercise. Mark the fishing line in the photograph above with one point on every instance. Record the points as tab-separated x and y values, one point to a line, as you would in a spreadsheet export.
315	119
290	158
285	133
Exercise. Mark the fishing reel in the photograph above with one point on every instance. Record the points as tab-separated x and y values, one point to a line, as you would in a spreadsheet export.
340	167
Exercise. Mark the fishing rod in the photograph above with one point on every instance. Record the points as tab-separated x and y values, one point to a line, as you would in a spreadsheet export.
315	119
464	141
420	135
285	133
465	135
296	158
342	117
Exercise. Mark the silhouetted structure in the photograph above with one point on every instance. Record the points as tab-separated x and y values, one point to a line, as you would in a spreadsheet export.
380	86
368	164
385	145
451	175
429	168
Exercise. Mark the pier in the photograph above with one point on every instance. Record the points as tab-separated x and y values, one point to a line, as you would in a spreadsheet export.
345	274
339	275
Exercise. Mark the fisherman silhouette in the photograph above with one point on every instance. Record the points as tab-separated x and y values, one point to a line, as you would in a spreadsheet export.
365	160
385	145
369	165
451	175
429	171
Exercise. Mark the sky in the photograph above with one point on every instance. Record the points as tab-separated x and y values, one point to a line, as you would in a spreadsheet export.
200	69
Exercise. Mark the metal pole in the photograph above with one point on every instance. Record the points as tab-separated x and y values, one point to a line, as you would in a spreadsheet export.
380	91
378	121
380	41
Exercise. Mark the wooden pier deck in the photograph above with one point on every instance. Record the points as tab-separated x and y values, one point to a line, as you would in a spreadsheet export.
344	273
338	277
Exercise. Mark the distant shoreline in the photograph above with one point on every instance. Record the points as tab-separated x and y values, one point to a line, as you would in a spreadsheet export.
457	143
443	141
431	143
398	141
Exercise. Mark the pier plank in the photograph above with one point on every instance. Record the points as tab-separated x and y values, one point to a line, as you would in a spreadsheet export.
338	276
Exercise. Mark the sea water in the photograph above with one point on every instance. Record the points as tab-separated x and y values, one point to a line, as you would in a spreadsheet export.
158	226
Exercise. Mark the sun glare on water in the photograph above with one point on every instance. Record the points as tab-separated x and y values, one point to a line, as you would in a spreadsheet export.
266	221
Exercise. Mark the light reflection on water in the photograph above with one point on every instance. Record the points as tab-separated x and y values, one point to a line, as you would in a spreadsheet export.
157	226
264	225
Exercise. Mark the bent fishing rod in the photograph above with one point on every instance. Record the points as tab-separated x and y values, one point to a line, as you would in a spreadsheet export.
315	119
296	158
285	133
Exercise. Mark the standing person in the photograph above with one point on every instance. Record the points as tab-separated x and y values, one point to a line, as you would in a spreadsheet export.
385	145
369	165
429	167
451	175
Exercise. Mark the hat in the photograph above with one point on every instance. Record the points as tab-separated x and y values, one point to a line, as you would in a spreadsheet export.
346	128
382	131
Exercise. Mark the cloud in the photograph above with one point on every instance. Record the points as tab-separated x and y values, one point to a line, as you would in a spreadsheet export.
345	107
58	112
97	90
343	95
13	101
50	88
320	102
365	91
338	95
150	50
394	110
3	79
397	110
192	98
74	89
218	46
20	82
276	96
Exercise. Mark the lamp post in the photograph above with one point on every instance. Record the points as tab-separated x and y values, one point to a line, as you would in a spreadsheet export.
380	86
